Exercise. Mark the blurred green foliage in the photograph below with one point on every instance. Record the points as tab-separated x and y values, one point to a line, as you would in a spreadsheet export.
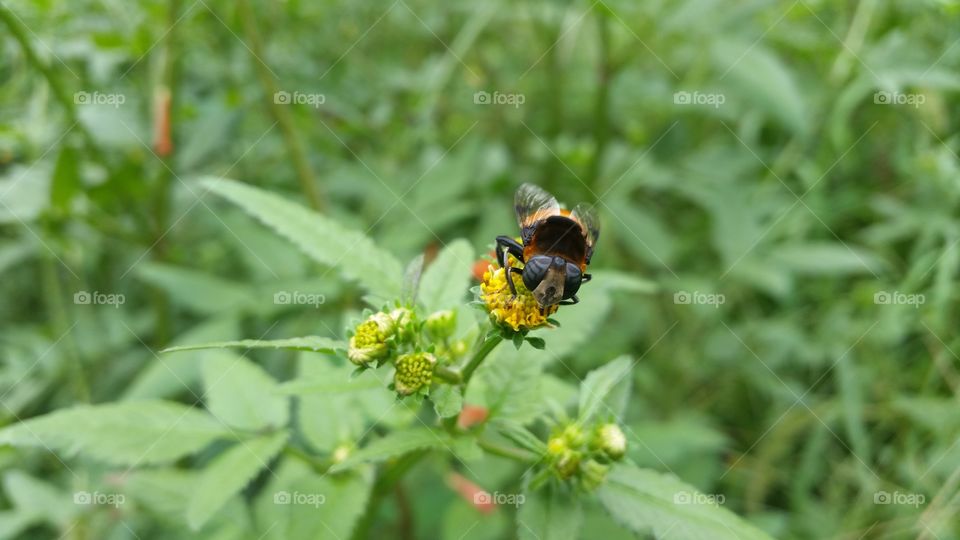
810	189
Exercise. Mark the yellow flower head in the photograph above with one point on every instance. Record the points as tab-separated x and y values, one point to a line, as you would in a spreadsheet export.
414	370
520	313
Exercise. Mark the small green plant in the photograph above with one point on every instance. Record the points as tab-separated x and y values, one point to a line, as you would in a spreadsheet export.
453	394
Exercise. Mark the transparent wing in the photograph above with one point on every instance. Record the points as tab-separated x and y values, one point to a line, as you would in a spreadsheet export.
533	205
586	216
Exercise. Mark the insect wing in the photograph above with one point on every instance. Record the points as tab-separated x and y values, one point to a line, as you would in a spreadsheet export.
586	216
533	205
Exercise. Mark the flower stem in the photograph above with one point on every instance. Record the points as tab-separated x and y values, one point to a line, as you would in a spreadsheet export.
478	357
448	375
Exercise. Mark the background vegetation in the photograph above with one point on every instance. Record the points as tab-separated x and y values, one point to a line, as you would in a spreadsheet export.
818	216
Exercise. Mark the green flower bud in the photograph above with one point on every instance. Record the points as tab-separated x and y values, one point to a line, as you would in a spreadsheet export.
568	464
573	435
556	446
610	439
367	344
593	474
403	320
442	324
385	323
414	370
341	453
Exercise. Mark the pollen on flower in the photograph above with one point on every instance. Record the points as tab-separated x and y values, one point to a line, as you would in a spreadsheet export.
368	343
520	313
414	371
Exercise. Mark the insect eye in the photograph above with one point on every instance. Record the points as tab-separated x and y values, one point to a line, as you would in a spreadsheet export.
533	272
572	282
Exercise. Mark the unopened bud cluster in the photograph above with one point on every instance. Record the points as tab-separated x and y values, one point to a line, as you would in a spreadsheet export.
573	452
413	345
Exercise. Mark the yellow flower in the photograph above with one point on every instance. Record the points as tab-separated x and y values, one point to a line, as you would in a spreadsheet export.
414	370
520	313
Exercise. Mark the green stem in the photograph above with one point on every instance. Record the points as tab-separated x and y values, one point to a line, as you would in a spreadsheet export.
601	108
448	375
280	112
507	451
19	32
478	357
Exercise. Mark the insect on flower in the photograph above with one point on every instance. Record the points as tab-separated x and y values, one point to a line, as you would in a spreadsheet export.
556	248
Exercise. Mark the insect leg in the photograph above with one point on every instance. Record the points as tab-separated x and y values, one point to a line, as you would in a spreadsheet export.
573	300
505	245
513	287
586	278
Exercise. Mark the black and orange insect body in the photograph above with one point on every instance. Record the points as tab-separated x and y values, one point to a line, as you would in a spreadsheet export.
556	248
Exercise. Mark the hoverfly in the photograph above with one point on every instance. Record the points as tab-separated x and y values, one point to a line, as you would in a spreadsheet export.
556	249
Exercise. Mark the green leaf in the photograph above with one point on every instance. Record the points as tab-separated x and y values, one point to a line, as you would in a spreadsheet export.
446	280
241	394
321	238
308	343
763	81
38	499
600	385
411	280
127	433
612	280
549	514
396	443
447	400
826	258
198	291
508	384
228	473
646	502
298	502
519	435
578	323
